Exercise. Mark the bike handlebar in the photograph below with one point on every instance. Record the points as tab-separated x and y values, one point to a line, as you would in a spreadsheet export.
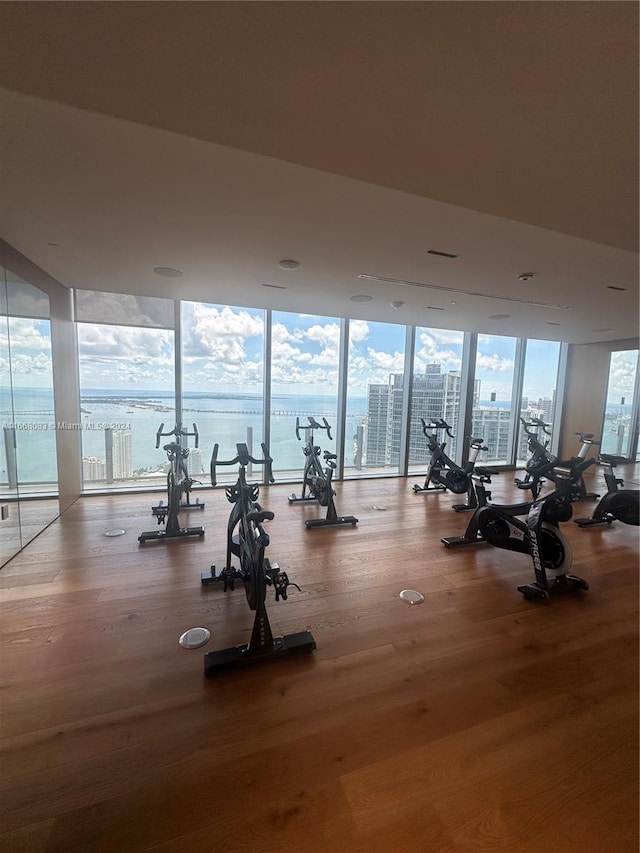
436	424
243	457
177	431
313	424
538	423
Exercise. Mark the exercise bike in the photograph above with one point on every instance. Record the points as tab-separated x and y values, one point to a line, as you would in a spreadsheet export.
247	540
481	477
318	480
443	473
538	534
618	504
179	483
542	464
312	464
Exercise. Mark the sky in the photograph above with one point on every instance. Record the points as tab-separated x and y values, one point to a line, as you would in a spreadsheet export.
223	352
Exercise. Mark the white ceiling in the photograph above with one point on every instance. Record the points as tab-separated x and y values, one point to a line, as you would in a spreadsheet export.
219	138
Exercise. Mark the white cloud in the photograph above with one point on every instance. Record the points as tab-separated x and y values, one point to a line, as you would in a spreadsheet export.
494	362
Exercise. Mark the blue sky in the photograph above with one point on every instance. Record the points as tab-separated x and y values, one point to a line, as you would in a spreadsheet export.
223	351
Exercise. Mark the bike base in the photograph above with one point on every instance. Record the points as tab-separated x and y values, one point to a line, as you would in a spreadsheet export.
294	500
418	488
592	522
563	583
461	541
162	534
239	656
341	521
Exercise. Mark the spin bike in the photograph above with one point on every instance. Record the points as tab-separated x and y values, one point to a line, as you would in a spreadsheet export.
618	504
541	464
443	473
247	540
178	483
538	534
317	482
474	534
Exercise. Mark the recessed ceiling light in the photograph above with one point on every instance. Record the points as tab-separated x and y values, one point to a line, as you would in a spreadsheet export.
275	286
499	316
167	272
54	245
397	303
554	324
613	287
526	276
361	297
288	264
436	307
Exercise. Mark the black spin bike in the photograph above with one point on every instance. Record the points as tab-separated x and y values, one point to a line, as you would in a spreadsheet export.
179	483
247	540
541	464
618	504
443	473
535	533
317	481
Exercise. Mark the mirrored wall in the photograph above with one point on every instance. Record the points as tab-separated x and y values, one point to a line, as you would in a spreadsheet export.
28	468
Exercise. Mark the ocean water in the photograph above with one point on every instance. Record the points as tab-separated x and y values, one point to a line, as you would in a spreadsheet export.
220	418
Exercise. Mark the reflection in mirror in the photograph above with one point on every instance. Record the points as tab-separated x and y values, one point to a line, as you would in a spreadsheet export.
33	428
10	539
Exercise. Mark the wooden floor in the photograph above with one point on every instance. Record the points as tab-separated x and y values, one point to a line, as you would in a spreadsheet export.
474	721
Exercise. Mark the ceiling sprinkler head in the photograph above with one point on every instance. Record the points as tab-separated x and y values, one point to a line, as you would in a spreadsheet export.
398	303
526	276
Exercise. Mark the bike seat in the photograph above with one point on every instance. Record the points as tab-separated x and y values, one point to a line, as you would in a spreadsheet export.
171	448
485	472
525	485
259	515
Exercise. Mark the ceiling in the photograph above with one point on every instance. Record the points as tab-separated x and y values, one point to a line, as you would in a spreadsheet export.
219	138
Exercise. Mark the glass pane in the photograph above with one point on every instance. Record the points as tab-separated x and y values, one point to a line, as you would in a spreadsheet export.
617	415
374	398
222	379
10	536
304	382
538	391
436	387
126	392
494	373
123	309
32	373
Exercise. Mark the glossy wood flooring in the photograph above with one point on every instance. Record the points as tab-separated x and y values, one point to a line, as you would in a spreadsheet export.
476	721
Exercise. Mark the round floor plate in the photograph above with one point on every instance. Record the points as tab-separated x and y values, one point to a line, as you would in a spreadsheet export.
194	638
412	596
118	532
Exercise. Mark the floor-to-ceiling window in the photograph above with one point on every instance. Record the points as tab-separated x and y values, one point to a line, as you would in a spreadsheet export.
538	393
620	419
375	390
247	375
222	377
493	391
304	382
127	387
435	392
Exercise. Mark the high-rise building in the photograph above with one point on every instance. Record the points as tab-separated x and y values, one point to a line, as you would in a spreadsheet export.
122	456
194	462
93	468
434	395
